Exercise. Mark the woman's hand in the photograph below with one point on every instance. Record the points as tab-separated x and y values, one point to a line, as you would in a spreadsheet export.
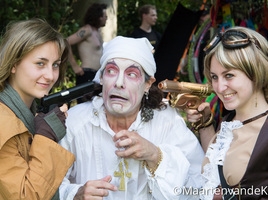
97	189
203	110
206	133
43	123
64	109
136	147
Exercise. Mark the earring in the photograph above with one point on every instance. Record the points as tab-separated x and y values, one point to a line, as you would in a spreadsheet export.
146	113
256	101
146	95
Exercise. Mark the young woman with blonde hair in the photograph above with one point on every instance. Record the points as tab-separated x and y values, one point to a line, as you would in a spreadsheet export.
32	164
236	65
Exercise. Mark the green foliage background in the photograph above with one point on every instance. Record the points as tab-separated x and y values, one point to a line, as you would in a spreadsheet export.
59	13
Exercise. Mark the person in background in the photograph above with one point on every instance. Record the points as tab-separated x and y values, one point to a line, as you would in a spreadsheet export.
33	58
128	143
148	16
236	65
89	44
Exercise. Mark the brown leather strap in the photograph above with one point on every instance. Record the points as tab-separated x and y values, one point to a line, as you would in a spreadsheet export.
255	118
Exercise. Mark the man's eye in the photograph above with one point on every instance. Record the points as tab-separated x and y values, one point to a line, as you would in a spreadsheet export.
132	75
111	71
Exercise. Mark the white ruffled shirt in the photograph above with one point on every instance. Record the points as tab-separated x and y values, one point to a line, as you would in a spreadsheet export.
216	155
89	138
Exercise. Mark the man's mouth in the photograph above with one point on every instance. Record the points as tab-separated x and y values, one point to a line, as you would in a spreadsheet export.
116	97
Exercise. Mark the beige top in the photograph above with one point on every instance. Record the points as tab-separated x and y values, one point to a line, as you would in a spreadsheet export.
238	155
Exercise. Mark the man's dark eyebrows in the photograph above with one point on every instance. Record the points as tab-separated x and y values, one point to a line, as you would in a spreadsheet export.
111	62
134	66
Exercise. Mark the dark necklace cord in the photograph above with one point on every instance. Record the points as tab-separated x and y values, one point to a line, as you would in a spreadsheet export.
255	118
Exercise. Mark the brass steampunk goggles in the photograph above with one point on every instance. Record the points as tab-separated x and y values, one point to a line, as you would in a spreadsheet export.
230	42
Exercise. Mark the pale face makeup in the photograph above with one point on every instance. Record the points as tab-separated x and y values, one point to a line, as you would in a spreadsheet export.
124	85
36	73
233	87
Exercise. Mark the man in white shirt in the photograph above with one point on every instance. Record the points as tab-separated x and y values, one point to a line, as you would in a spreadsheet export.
127	142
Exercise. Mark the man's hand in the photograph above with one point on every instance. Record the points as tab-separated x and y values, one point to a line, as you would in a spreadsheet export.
96	189
136	147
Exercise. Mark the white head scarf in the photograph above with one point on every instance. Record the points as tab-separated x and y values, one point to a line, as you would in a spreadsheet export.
138	50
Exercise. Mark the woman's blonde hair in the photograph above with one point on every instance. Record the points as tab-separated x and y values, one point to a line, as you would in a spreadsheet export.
22	37
252	59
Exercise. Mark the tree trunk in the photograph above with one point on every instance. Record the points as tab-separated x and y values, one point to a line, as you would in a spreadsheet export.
110	29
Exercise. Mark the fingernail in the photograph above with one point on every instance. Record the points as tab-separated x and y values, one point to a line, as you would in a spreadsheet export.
110	180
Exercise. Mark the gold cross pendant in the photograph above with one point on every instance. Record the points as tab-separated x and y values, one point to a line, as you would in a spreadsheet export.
122	174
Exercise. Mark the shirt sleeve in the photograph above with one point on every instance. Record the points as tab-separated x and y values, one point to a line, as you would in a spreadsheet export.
67	189
180	168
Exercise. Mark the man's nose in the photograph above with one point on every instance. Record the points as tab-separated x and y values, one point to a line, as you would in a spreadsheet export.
120	82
